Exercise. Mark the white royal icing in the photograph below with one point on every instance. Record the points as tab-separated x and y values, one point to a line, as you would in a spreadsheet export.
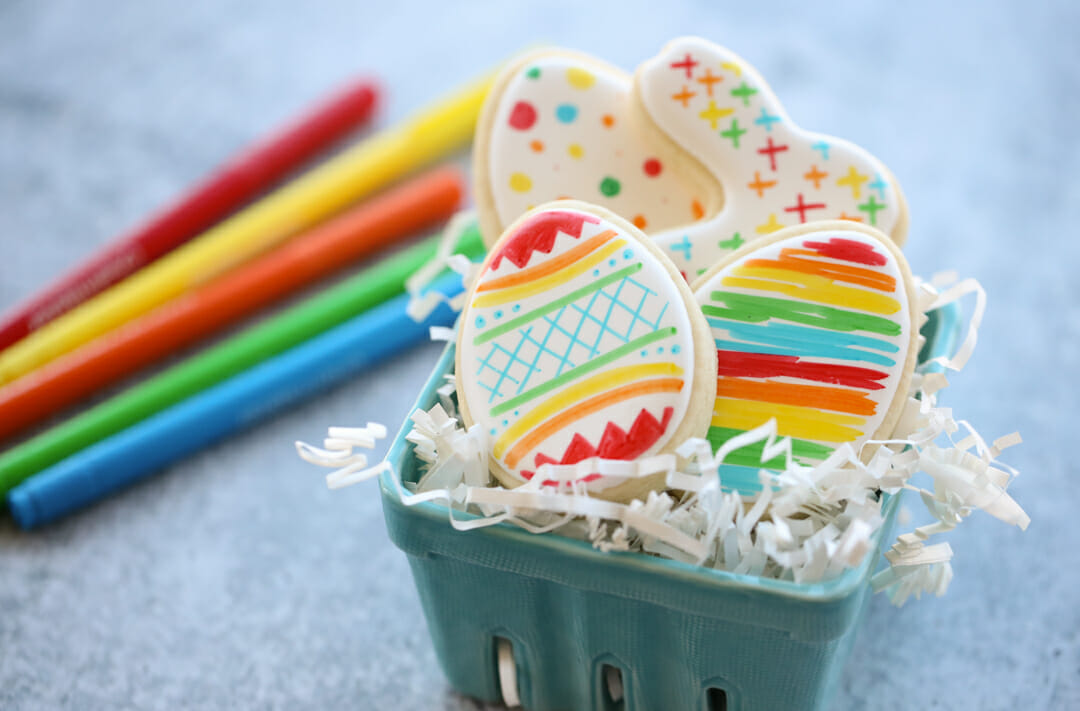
562	129
774	174
576	344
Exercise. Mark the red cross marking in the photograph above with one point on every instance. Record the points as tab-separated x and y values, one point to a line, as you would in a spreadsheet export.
688	64
771	151
801	207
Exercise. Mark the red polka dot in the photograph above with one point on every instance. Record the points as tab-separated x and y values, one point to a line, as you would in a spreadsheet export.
640	222
523	116
652	167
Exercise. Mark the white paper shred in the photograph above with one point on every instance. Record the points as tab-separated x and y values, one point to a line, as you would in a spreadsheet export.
422	304
807	525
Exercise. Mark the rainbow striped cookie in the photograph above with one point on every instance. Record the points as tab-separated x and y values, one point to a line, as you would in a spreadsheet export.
579	339
813	326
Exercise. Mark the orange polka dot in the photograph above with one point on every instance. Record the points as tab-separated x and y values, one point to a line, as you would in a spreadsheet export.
697	209
608	120
537	146
640	222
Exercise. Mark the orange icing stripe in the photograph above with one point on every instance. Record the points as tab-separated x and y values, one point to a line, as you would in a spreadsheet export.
550	266
839	272
826	398
583	409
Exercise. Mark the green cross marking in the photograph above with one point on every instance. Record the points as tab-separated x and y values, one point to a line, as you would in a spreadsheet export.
734	243
744	92
871	207
734	132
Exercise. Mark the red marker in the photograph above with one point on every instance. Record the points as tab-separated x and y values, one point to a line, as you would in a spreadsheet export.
232	185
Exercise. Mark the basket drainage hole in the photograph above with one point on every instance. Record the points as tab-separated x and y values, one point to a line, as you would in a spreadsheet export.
614	691
507	672
715	699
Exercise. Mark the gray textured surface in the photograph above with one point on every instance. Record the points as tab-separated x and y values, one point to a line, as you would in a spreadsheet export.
236	580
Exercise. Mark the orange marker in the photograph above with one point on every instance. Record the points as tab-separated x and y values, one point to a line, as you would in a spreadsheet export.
423	201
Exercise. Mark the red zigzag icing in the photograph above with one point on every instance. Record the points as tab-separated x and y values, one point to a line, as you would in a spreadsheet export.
645	431
538	235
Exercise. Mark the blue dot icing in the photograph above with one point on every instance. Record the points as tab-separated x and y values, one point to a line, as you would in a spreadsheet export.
480	322
675	349
566	113
516	308
498	314
628	254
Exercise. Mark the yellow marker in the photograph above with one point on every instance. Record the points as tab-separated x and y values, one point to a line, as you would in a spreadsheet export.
424	138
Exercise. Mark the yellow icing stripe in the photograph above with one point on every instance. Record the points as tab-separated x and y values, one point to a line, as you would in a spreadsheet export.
810	287
791	420
600	382
551	281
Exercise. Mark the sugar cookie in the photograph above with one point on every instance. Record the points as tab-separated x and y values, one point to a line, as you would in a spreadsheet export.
579	339
813	325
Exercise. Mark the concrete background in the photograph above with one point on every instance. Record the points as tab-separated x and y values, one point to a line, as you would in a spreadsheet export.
236	580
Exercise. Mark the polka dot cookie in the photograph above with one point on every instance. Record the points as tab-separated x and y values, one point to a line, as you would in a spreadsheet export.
559	124
695	150
579	339
814	326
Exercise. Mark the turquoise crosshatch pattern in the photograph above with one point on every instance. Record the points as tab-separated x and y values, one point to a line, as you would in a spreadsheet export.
574	334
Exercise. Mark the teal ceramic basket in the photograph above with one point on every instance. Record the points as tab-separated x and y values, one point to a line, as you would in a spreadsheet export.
679	636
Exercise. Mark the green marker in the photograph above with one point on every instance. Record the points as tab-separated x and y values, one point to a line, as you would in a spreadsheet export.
254	345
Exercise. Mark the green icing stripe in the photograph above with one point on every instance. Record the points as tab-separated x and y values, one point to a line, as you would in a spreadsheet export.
755	309
803	451
558	303
584	369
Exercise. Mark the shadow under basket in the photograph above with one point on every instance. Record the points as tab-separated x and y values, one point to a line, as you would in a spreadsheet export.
603	631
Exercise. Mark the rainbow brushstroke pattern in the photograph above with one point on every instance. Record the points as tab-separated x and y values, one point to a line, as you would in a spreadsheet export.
814	331
575	343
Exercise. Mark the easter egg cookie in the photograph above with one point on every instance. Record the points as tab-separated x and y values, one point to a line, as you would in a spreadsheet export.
716	107
814	326
560	124
579	339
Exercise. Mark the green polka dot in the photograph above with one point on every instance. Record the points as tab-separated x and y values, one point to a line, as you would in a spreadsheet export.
533	73
610	187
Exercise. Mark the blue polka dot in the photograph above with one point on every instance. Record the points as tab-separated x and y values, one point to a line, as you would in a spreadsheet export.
517	307
566	113
498	314
627	254
493	431
516	413
506	422
479	321
596	272
660	349
675	349
611	262
644	353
